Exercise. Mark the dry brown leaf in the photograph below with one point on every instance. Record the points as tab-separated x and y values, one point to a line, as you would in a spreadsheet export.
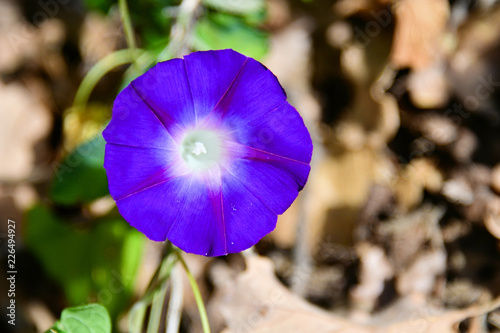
436	127
406	235
289	59
419	174
465	145
428	87
255	301
495	178
337	191
408	248
388	121
100	36
421	276
492	218
458	190
25	121
350	7
16	37
278	13
365	65
22	42
375	270
284	235
425	319
375	112
340	183
473	70
419	28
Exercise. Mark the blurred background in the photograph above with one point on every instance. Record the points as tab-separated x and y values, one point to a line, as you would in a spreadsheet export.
399	223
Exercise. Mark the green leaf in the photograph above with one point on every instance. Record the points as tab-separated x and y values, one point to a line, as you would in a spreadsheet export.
97	262
102	6
81	177
131	257
92	318
222	31
236	6
61	251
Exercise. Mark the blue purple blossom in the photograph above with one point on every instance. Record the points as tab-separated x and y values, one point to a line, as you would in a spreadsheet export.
206	152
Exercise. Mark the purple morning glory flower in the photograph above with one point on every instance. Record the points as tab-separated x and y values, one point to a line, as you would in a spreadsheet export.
205	151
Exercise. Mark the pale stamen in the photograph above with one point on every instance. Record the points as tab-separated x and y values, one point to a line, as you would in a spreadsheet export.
199	148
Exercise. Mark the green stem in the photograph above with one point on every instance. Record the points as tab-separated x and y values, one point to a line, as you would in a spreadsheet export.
197	296
129	31
100	69
145	60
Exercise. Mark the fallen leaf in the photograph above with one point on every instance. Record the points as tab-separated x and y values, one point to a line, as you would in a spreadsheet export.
375	270
255	301
25	122
419	27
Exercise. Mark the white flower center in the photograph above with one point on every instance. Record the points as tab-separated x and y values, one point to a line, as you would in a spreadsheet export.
201	149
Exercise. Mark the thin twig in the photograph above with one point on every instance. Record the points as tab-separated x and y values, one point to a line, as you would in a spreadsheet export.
175	303
181	30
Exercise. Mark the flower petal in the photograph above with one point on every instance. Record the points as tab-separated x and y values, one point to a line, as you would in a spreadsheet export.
132	169
181	210
211	74
134	123
247	219
280	132
275	180
254	92
165	89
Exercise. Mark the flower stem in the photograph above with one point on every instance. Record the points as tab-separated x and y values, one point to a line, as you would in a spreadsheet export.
100	69
129	31
197	295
